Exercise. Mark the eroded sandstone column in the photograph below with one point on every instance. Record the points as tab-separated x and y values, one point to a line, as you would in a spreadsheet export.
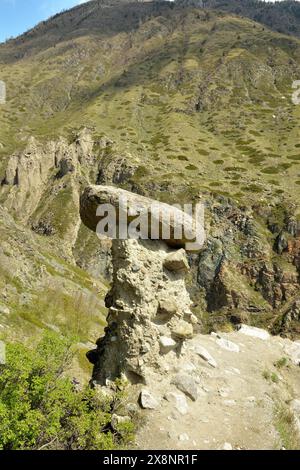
149	311
149	306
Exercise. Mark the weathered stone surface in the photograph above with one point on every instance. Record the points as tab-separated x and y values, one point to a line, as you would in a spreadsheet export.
228	345
182	330
166	344
177	261
254	332
293	351
187	385
187	367
205	355
148	401
167	307
132	343
295	407
183	437
227	446
179	400
167	218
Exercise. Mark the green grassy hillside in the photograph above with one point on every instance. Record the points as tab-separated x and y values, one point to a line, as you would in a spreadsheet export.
200	96
163	99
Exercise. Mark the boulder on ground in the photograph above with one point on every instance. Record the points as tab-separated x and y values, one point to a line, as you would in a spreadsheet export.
254	332
166	344
187	385
179	400
205	355
148	401
228	345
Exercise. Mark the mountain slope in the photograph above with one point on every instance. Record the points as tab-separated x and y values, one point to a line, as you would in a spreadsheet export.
171	101
185	68
282	16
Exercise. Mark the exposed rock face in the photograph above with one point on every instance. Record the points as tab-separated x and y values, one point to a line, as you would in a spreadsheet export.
28	172
142	326
176	261
118	170
187	385
237	268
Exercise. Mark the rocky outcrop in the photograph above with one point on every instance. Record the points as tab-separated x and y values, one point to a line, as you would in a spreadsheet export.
149	312
163	221
117	170
238	268
29	171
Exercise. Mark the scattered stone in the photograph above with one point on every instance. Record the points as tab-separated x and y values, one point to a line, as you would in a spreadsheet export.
228	345
132	409
148	401
167	307
182	330
166	344
293	351
187	367
179	401
187	385
205	355
183	437
229	402
254	332
177	261
4	310
233	371
193	319
227	446
116	420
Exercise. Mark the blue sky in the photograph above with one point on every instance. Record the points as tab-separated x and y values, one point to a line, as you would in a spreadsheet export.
17	16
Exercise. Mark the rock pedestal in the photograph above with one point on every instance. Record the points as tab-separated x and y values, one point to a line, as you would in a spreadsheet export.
149	307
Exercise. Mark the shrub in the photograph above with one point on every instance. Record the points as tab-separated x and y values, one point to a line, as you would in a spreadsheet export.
41	408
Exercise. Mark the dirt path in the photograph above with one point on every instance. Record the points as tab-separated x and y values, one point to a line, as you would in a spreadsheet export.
237	399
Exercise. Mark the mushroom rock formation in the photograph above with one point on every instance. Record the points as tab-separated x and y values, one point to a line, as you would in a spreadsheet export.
149	306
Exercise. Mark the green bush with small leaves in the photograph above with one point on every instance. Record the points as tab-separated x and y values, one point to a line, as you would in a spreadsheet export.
41	408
